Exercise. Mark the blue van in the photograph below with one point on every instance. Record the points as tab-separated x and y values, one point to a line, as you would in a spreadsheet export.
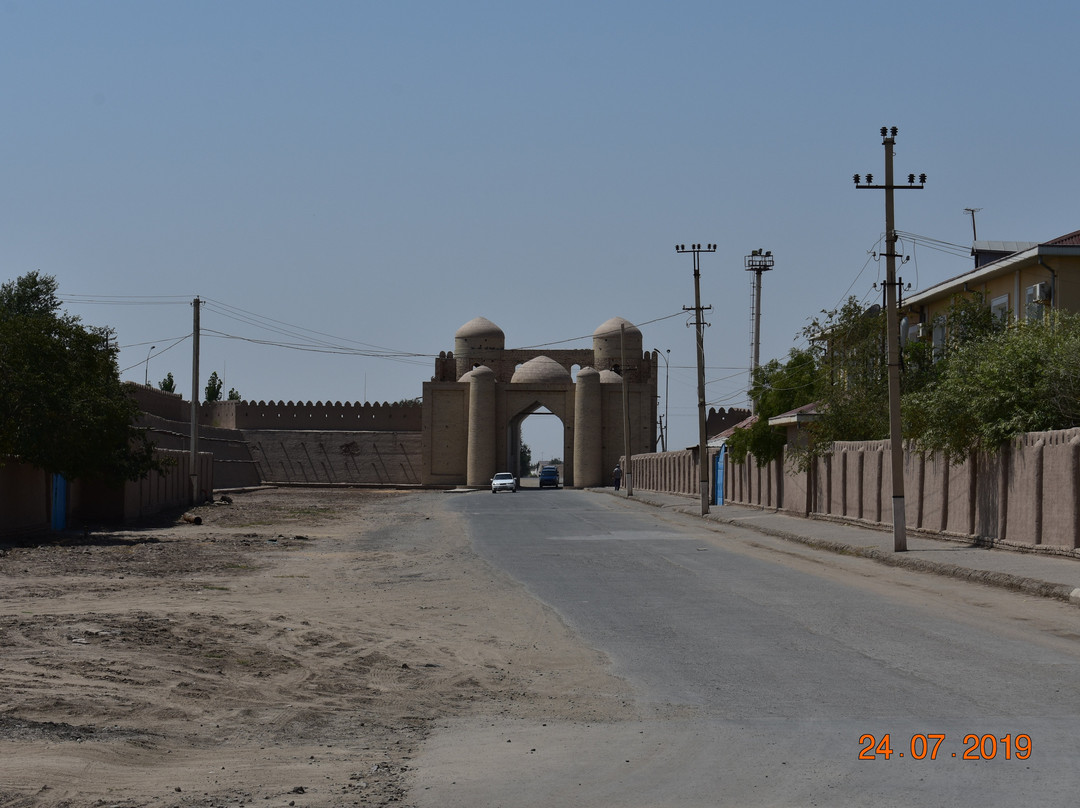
549	476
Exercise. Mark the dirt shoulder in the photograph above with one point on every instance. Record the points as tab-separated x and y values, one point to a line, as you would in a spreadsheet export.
294	649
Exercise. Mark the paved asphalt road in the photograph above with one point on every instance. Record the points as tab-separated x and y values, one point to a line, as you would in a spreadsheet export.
760	667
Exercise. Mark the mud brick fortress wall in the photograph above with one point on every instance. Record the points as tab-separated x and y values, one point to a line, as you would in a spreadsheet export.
299	443
347	417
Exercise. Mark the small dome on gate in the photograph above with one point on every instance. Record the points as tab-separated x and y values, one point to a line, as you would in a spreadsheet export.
541	370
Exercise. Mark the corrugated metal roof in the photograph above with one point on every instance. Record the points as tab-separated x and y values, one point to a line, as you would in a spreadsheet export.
1003	246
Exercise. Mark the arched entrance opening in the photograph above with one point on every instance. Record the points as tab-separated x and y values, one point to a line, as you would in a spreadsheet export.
545	435
543	432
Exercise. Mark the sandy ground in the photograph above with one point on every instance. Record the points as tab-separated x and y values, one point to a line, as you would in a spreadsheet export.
294	649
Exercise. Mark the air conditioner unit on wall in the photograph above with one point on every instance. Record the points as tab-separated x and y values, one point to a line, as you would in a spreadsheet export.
1042	292
918	331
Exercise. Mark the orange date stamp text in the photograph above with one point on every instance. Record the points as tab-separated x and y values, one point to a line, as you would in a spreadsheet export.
933	745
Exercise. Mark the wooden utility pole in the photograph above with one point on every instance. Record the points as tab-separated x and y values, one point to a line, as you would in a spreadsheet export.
896	439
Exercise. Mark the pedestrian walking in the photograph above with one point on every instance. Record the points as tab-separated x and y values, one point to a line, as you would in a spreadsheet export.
618	476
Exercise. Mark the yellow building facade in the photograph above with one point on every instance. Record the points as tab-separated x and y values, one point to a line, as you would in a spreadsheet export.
1018	281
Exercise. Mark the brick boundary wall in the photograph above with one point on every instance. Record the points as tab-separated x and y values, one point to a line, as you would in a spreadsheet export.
1027	495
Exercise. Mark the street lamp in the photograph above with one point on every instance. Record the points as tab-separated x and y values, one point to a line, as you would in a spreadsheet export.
146	374
667	379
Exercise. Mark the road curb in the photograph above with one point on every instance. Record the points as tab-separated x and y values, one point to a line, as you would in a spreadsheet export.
1066	593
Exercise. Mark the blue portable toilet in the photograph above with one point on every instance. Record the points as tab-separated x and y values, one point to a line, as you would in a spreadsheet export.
59	502
718	475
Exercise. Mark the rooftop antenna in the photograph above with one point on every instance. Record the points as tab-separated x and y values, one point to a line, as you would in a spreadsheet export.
971	212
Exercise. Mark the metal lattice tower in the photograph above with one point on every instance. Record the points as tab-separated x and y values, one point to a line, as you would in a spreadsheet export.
757	262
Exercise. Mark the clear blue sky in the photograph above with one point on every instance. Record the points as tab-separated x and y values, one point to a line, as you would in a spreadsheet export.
383	172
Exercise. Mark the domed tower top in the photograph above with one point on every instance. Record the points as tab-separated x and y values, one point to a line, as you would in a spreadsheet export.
541	370
478	342
481	330
608	343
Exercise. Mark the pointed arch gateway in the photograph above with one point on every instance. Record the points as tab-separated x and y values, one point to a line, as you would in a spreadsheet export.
482	392
516	422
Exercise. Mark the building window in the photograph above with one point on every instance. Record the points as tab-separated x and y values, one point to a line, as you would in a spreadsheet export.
938	340
1036	299
999	308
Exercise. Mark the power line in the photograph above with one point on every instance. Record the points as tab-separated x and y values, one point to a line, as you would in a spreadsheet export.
125	300
178	341
307	339
260	321
323	349
594	334
948	247
300	338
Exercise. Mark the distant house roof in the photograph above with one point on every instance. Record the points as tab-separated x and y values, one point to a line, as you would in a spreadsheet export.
720	437
800	415
1068	240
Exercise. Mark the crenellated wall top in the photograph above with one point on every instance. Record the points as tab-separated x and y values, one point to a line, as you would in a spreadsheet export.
325	415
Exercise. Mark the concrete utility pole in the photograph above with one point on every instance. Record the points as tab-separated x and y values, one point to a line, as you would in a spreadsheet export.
667	378
703	441
757	262
624	371
896	441
194	471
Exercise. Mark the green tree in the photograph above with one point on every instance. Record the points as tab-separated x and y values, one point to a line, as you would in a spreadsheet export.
30	295
213	388
844	371
986	382
524	458
63	407
234	394
777	387
168	384
955	395
1002	383
850	346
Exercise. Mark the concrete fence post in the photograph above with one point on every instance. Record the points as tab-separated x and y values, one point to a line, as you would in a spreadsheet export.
1040	452
1074	467
1004	472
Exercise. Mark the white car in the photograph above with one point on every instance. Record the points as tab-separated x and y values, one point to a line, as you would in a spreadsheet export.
503	481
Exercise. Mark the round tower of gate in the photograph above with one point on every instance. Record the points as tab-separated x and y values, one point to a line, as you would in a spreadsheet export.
588	429
478	342
480	460
608	344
